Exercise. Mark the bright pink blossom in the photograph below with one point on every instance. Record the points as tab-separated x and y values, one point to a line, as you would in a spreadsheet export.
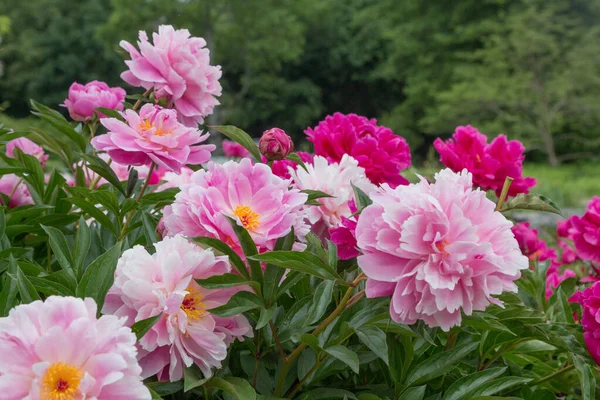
27	147
275	144
490	164
554	278
377	149
344	236
83	100
58	349
16	190
563	228
281	168
234	149
590	319
530	244
437	248
177	66
164	283
586	232
155	135
249	193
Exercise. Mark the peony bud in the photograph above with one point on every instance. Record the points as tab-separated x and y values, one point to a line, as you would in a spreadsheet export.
27	147
275	144
83	100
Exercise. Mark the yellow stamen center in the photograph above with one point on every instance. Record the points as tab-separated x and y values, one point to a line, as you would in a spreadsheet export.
61	382
192	305
146	125
249	218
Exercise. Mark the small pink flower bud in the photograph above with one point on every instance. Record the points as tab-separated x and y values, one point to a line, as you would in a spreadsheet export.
275	144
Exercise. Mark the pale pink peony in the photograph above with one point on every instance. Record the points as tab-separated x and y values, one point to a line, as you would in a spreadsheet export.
336	180
590	319
16	190
234	149
27	147
437	248
154	135
176	180
147	285
554	277
59	350
585	232
275	144
178	68
530	244
83	100
249	193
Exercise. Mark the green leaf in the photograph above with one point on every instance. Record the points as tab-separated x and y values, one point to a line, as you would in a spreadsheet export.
193	378
345	355
322	298
60	248
313	195
311	341
82	245
216	244
225	281
49	287
8	295
95	213
249	249
299	261
361	198
132	180
149	225
153	394
500	384
239	388
142	327
375	339
99	276
26	289
273	274
438	364
464	388
531	202
327	393
59	123
296	158
587	379
241	137
265	316
565	309
165	388
413	393
100	167
239	303
110	113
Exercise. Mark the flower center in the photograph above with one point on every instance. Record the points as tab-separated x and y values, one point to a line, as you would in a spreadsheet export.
61	382
146	124
192	305
249	218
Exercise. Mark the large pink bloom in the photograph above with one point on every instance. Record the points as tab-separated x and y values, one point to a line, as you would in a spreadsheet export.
16	190
530	244
154	135
585	232
59	350
490	164
376	148
178	67
27	147
249	193
436	249
147	285
590	302
83	100
234	149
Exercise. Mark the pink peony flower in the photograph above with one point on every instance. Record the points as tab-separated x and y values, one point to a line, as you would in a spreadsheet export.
16	190
176	180
554	278
59	350
27	147
344	236
281	168
590	302
178	68
336	180
154	135
568	254
83	100
376	148
530	244
275	144
234	150
260	202
490	164
437	248
586	232
563	228
147	285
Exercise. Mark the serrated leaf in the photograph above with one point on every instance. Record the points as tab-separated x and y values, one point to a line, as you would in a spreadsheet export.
345	355
530	202
142	327
241	137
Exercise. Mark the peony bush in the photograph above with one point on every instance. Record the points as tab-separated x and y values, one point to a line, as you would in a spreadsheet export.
135	265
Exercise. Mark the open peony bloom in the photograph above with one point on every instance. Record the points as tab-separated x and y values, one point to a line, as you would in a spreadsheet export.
249	193
336	180
234	149
530	244
177	66
84	99
585	232
27	147
377	149
155	135
437	248
59	350
590	302
490	164
13	187
147	285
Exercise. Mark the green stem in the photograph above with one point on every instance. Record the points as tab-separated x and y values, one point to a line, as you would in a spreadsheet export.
507	182
139	102
553	375
299	384
138	198
503	351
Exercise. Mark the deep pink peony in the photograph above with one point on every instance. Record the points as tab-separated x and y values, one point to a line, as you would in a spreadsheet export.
554	278
16	190
585	232
147	285
249	193
490	164
177	66
27	147
59	350
530	244
590	319
344	236
154	135
83	100
234	149
281	168
275	144
564	228
437	248
376	148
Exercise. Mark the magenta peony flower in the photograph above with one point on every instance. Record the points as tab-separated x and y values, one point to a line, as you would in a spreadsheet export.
154	135
590	318
530	244
554	278
83	100
436	249
234	149
585	232
260	202
490	164
16	190
59	350
147	285
178	68
344	236
376	148
281	168
563	228
275	144
27	147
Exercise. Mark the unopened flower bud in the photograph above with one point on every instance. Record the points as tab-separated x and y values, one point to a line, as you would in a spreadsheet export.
275	144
